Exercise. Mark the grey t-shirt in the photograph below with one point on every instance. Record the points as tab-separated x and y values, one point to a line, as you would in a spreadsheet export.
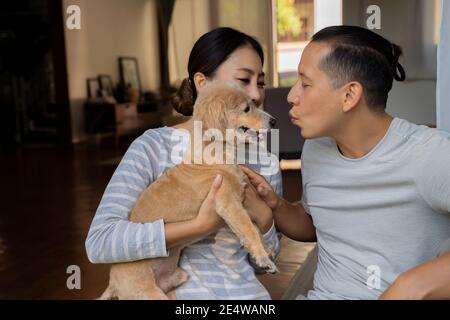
379	215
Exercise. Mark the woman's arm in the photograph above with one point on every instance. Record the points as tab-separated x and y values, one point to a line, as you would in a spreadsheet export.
112	238
293	221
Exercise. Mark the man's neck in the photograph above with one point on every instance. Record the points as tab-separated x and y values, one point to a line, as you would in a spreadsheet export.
361	133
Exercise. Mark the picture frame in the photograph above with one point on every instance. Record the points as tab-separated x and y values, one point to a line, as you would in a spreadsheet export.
93	87
106	85
129	73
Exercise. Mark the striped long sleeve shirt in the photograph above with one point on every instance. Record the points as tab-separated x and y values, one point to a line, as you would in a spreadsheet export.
218	266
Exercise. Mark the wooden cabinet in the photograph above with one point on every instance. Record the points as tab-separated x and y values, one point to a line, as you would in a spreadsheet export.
106	117
125	111
117	119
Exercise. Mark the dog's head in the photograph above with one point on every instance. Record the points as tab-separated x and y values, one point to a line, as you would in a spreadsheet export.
224	105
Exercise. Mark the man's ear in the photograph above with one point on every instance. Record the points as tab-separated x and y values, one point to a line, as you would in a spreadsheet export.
200	80
351	95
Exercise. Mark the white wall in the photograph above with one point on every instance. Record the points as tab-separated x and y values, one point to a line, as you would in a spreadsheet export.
109	29
414	101
443	109
327	13
412	25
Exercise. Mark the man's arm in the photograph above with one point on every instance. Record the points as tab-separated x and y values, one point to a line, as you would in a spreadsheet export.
430	280
290	219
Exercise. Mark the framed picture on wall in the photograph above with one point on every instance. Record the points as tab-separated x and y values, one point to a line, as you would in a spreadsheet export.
106	85
129	73
93	87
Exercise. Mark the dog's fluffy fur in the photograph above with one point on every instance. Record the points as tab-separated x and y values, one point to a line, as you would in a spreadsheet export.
178	194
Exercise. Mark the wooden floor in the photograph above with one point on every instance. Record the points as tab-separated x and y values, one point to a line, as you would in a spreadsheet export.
49	196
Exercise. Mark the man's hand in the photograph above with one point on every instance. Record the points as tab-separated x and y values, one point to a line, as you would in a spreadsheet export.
263	187
260	213
290	219
402	289
430	280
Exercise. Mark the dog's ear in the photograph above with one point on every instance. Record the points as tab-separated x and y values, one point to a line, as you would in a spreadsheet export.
213	113
216	103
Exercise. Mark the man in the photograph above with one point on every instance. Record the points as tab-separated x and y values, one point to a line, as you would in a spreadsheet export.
376	189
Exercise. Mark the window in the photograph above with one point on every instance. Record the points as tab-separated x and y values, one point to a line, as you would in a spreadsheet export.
295	26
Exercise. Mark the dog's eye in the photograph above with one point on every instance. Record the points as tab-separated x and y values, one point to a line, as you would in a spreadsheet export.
247	109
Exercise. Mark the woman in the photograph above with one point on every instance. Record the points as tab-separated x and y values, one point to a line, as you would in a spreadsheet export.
218	265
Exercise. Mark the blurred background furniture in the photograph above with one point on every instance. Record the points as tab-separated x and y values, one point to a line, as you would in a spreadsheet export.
108	119
276	104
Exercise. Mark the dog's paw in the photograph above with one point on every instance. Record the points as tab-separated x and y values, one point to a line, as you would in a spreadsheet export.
272	269
266	264
270	252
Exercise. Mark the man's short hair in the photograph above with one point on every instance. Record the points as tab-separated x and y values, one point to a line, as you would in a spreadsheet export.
358	54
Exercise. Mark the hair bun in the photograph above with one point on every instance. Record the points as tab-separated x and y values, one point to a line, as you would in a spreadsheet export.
399	71
183	100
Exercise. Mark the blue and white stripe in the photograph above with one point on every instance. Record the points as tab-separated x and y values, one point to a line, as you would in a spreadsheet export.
218	266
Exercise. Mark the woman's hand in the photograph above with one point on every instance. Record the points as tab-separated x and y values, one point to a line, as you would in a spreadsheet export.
207	220
264	189
260	213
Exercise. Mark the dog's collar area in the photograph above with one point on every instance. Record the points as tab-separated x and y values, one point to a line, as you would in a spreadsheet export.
247	130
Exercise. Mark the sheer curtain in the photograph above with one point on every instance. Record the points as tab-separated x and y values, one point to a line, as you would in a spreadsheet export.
192	18
253	17
443	84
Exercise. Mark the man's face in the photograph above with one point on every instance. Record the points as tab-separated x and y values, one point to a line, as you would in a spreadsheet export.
316	105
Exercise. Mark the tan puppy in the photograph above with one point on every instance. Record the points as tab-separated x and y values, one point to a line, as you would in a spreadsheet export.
178	194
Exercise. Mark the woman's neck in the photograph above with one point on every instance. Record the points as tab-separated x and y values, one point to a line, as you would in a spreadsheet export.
187	125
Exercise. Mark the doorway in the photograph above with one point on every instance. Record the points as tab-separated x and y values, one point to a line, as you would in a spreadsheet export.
34	101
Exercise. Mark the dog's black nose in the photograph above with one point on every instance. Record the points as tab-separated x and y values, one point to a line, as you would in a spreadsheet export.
272	122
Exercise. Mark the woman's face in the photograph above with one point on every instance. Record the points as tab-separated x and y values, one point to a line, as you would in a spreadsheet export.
244	67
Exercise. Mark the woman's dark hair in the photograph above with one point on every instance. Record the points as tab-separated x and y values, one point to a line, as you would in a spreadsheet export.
208	53
358	54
